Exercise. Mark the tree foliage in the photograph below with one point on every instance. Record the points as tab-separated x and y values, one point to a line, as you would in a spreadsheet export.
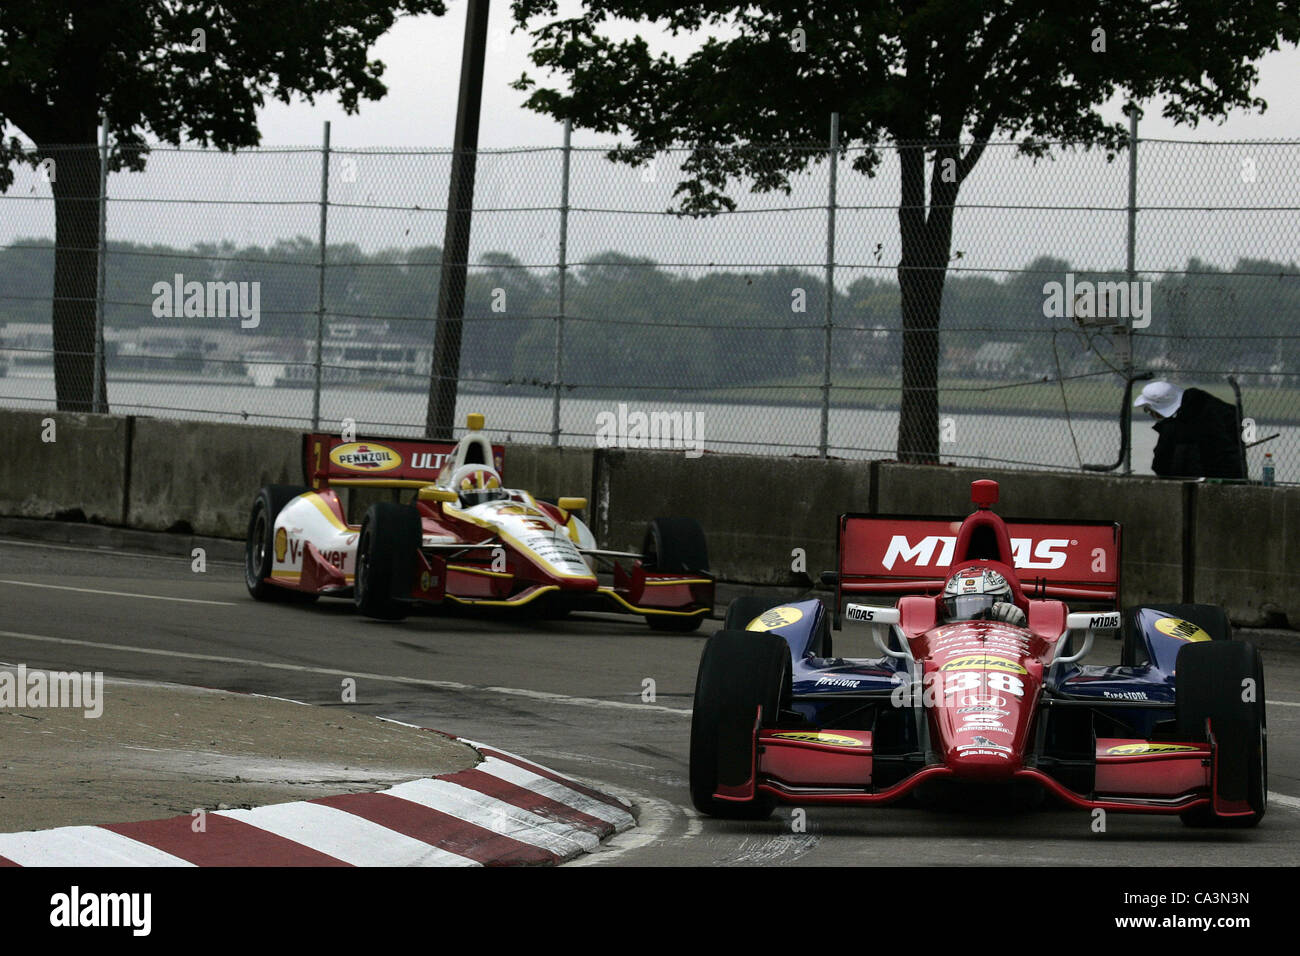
195	71
935	78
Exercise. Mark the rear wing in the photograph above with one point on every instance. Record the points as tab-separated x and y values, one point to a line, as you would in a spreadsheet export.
896	554
381	462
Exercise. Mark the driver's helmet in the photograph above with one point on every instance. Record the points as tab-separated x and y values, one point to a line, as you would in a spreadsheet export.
971	593
476	484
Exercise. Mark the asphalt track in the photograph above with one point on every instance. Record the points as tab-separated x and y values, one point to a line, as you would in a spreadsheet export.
570	695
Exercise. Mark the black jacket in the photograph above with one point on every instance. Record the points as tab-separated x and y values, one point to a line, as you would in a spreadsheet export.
1201	440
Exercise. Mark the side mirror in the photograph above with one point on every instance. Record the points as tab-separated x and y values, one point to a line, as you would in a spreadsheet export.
866	614
1088	621
434	493
572	504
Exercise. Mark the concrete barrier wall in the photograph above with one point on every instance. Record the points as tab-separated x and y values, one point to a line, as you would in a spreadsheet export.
1150	510
81	472
755	511
1247	551
548	472
202	476
1234	545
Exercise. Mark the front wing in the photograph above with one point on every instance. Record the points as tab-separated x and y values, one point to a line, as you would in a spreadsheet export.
835	767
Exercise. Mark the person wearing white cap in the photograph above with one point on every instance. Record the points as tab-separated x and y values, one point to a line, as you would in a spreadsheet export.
1199	434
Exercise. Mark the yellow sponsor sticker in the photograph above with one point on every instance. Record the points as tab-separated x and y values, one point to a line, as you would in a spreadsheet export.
281	544
367	457
776	617
1125	750
1181	630
984	662
816	737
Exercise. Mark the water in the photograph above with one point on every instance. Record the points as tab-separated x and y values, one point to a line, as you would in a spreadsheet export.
977	438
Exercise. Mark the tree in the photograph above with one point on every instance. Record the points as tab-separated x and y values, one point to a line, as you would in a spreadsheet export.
935	80
196	71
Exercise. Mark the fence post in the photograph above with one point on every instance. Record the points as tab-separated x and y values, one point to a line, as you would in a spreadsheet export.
98	382
320	280
1127	437
830	286
564	265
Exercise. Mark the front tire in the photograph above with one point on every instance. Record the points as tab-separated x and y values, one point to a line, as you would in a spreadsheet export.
675	546
259	544
1223	682
386	554
739	672
744	609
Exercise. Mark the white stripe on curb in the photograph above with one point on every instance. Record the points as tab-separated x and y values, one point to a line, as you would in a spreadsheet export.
498	816
344	836
82	846
517	775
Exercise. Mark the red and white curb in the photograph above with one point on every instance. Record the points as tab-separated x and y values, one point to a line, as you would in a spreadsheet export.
506	811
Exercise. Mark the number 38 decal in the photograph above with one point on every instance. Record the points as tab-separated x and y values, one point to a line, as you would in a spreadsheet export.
993	680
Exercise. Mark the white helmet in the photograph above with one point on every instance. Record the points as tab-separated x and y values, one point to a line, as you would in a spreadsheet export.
970	594
476	484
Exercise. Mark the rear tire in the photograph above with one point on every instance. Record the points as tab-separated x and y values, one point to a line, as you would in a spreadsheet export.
675	546
1211	681
739	672
386	555
259	545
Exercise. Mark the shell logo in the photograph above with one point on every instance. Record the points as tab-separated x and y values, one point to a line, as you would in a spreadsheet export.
281	544
366	456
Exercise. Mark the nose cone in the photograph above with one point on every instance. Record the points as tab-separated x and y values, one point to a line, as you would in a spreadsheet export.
988	691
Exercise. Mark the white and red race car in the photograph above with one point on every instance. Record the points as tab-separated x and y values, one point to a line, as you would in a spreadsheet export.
463	538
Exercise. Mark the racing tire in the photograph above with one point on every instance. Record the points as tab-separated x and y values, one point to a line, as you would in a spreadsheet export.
675	546
386	554
1212	680
744	609
739	672
259	545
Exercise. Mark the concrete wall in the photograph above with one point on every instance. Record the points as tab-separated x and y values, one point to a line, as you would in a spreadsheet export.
754	511
548	472
1247	551
1234	545
1150	510
83	470
202	476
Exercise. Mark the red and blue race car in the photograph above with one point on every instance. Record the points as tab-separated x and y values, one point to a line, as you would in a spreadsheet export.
463	538
980	685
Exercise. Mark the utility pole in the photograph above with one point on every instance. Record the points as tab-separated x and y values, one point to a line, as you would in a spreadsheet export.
1130	268
441	413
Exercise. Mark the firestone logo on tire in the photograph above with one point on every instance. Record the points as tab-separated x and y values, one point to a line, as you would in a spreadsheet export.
370	457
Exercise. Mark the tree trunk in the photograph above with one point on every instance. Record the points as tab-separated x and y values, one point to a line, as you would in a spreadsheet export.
922	270
76	264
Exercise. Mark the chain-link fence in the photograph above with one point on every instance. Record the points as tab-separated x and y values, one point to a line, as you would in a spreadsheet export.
717	328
